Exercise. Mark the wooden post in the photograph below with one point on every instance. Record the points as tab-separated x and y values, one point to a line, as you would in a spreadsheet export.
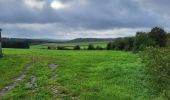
0	43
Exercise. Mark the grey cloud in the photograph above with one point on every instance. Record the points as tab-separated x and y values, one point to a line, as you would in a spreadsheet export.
84	15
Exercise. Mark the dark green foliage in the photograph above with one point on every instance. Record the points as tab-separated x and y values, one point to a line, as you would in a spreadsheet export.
91	47
10	44
157	67
158	35
156	38
129	43
99	48
77	47
120	44
49	47
110	46
62	48
142	41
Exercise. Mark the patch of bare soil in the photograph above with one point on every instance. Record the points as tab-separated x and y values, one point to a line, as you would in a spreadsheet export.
59	95
53	67
53	76
33	83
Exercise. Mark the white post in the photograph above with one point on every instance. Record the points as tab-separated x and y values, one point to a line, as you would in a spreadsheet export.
0	43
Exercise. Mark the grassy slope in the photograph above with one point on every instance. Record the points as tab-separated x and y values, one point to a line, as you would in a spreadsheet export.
90	75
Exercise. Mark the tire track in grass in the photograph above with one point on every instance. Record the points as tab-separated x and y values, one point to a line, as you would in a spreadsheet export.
53	67
16	82
32	84
56	93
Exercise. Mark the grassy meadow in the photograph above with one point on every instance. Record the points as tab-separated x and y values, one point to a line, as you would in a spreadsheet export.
83	45
84	75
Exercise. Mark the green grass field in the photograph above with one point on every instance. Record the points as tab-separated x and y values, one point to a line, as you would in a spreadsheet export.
84	75
69	45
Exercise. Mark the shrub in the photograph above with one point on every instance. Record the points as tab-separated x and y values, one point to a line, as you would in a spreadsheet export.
49	47
62	48
99	48
157	67
77	47
120	44
129	43
91	47
142	41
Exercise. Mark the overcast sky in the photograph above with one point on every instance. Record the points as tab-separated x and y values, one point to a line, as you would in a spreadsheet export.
68	19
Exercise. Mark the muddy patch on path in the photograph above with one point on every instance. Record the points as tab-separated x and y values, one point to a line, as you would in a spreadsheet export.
53	76
33	83
16	82
52	67
59	93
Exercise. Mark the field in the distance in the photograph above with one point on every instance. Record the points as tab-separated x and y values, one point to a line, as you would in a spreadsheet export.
85	75
70	45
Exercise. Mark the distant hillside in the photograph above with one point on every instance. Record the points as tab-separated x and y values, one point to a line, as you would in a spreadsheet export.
32	41
91	39
39	41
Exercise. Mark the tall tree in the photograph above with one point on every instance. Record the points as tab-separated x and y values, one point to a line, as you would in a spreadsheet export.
142	41
159	36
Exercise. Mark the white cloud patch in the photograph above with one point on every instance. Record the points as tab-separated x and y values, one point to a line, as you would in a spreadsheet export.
57	5
35	3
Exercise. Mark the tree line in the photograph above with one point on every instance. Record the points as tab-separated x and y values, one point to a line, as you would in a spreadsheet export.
15	43
157	37
12	44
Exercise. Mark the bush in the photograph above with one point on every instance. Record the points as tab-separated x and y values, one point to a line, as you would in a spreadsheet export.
99	48
120	44
110	46
49	47
90	47
77	47
157	67
142	41
129	43
62	48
